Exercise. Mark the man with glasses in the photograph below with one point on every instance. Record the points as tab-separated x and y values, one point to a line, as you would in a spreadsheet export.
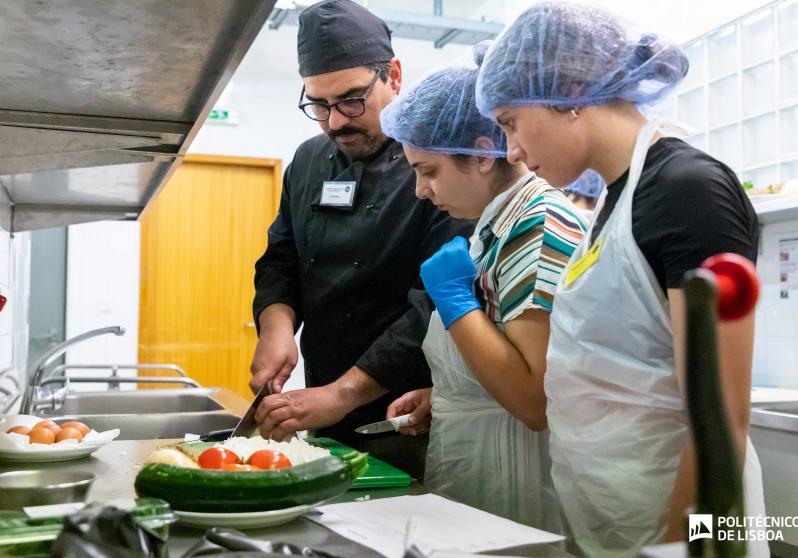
346	246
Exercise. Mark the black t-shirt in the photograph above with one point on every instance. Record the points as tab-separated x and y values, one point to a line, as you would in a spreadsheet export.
686	208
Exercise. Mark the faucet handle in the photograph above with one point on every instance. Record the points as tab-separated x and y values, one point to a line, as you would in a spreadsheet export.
46	398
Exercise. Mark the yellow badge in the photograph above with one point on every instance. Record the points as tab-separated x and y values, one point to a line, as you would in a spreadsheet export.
584	263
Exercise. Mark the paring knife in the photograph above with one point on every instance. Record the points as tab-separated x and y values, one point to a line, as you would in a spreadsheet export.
384	425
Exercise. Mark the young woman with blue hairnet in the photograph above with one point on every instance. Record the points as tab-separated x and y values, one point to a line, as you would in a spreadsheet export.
486	342
567	84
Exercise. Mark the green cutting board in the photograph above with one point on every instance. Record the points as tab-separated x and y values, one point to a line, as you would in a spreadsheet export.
379	475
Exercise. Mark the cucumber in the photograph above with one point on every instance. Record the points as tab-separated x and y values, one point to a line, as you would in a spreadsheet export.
218	491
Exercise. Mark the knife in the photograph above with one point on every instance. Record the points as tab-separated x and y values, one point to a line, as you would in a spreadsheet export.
247	425
389	425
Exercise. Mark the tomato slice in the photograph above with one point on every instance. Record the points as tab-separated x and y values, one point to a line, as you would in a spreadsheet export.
239	467
216	458
269	459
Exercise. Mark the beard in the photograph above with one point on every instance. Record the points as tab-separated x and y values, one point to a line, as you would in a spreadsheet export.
362	146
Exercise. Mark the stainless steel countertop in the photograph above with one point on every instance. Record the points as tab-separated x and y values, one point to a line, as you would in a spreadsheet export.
776	415
117	464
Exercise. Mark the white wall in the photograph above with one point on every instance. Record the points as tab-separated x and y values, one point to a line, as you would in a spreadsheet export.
103	290
681	20
6	342
14	269
264	91
264	94
775	352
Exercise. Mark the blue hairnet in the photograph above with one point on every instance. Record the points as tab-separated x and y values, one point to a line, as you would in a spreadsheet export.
590	184
438	112
562	54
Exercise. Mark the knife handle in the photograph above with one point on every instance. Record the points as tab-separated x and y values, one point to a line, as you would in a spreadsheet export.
264	392
401	421
217	435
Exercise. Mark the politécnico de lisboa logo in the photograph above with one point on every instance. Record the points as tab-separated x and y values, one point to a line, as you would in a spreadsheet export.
700	525
739	528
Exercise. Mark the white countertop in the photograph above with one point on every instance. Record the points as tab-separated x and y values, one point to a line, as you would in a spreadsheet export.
772	395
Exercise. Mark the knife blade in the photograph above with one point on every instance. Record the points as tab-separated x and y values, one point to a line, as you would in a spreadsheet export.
384	425
247	425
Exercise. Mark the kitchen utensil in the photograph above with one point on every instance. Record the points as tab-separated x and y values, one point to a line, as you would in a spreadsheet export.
390	425
19	489
247	424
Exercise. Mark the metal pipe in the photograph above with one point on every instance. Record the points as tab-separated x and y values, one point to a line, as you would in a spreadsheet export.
118	380
62	368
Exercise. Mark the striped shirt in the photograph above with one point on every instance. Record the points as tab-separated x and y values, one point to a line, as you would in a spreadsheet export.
525	250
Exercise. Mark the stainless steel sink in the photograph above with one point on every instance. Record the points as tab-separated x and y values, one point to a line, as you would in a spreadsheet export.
151	413
185	400
157	425
779	416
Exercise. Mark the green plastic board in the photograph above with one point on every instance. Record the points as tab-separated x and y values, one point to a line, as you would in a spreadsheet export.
379	475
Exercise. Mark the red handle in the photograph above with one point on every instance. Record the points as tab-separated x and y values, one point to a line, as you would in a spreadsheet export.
738	286
2	302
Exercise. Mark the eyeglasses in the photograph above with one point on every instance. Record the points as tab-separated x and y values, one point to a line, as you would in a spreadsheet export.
349	107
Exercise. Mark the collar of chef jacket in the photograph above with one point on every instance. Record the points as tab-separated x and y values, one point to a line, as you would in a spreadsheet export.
353	172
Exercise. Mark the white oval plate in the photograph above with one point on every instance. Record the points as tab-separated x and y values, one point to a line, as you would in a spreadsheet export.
248	520
54	454
15	447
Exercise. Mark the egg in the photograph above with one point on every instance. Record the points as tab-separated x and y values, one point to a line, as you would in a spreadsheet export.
49	425
41	435
69	433
77	426
24	430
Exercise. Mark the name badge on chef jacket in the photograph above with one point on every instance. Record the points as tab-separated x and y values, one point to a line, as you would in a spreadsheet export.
338	194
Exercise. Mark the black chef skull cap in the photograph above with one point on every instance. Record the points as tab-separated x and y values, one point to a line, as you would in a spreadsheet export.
339	34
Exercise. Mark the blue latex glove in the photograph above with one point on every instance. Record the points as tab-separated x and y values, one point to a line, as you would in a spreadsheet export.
449	277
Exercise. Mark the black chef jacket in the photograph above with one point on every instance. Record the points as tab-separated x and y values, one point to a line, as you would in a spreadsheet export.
352	274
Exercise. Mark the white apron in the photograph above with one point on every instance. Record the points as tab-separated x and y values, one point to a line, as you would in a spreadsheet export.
478	453
617	417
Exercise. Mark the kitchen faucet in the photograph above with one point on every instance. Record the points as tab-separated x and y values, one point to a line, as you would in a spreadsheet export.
50	356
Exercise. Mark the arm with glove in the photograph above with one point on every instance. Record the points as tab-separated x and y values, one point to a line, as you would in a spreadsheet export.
509	364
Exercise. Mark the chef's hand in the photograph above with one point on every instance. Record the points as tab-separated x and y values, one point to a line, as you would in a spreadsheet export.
418	404
449	277
283	414
276	353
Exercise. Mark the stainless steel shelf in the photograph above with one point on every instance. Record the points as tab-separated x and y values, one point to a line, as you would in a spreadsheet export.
101	98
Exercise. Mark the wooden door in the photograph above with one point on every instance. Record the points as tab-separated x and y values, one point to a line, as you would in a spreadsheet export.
200	239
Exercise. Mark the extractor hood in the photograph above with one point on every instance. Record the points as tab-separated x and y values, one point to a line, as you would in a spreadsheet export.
100	99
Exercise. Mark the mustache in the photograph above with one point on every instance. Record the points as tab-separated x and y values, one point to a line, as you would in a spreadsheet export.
345	131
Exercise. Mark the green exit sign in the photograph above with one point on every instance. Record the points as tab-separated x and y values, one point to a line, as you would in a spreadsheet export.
222	116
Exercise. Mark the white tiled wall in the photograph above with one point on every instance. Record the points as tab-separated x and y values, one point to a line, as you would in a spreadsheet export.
6	342
103	290
775	353
5	289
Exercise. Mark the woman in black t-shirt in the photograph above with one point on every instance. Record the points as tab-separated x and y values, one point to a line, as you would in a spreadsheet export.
567	83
